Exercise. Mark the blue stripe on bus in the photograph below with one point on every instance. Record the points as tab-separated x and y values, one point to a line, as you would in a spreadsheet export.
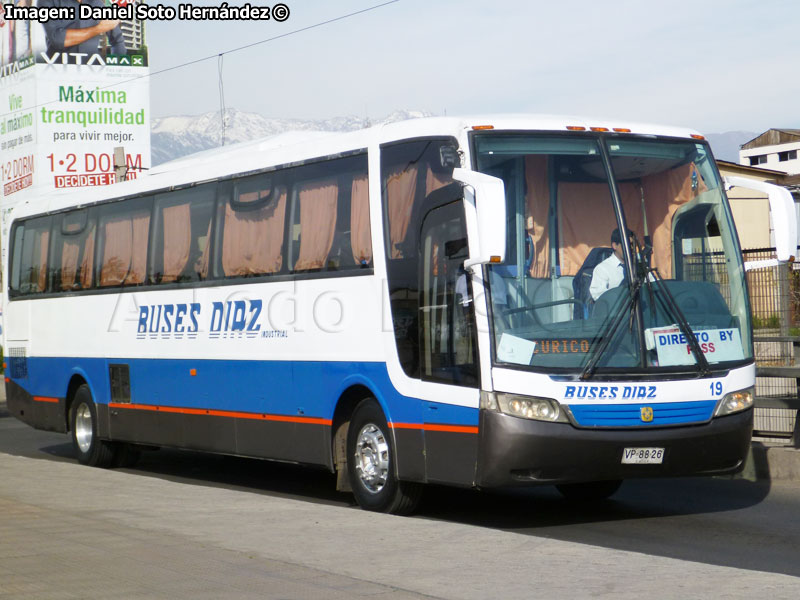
263	387
630	415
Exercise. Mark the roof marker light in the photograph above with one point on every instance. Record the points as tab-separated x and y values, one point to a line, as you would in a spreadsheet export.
622	130
482	127
697	136
576	128
599	128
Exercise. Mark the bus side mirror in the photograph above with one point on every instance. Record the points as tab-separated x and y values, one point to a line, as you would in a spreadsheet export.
781	214
485	212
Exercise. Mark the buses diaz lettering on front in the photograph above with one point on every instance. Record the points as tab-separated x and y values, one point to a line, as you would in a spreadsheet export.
587	392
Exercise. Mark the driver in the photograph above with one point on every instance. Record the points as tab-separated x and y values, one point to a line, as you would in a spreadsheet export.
611	272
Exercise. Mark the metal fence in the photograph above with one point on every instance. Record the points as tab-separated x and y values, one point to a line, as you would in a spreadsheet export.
775	307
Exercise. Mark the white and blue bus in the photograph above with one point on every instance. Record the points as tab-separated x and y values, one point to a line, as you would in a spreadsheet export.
412	303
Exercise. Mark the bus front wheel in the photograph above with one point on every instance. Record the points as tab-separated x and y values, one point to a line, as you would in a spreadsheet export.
83	425
371	464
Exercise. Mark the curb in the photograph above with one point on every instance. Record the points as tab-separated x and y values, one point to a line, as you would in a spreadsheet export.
771	463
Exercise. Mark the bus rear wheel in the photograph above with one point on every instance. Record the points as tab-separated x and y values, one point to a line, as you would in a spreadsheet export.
371	464
590	490
83	425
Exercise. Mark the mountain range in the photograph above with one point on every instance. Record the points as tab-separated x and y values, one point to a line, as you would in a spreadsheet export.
174	137
725	146
178	136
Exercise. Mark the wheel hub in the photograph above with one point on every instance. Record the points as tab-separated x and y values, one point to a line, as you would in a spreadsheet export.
372	458
83	428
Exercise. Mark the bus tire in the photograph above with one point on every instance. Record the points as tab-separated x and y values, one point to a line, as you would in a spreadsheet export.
371	464
83	425
590	490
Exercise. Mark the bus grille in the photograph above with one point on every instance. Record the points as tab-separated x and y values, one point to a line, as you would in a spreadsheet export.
631	415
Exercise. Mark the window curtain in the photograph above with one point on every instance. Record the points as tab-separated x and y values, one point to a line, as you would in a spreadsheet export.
586	216
665	193
74	275
140	226
125	251
177	228
586	219
317	223
41	278
70	250
87	263
434	181
201	265
360	238
252	239
401	188
537	201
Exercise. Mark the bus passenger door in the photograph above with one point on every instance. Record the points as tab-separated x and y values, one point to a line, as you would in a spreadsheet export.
448	343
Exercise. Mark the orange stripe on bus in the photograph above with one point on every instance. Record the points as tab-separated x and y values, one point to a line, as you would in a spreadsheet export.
223	413
45	399
432	427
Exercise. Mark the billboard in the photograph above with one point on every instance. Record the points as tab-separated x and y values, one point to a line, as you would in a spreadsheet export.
71	90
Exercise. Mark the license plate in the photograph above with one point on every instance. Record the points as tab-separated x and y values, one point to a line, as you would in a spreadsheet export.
642	456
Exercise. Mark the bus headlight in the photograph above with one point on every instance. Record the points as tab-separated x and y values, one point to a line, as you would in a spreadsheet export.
735	402
525	407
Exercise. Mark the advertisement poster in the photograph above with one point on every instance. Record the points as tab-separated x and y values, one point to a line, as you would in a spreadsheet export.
71	91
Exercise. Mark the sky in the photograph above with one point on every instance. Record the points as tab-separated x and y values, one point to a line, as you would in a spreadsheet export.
712	65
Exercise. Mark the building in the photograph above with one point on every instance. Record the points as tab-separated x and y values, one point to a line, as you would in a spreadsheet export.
133	32
775	149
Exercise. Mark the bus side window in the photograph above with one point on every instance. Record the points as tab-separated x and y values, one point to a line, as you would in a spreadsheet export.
123	235
181	234
33	253
410	172
16	258
252	223
329	221
72	264
314	212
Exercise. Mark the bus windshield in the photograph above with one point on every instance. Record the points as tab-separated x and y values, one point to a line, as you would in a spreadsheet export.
622	256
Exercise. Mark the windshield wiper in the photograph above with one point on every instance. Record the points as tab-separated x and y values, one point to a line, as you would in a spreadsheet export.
672	306
610	329
644	272
643	277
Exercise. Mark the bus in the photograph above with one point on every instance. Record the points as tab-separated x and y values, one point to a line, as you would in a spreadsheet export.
408	304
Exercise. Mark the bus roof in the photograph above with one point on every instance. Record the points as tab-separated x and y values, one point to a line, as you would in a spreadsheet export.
298	146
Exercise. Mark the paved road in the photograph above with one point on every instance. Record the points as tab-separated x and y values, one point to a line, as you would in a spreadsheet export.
259	530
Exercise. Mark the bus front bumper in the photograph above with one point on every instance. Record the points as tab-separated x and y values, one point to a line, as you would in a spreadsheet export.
519	452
